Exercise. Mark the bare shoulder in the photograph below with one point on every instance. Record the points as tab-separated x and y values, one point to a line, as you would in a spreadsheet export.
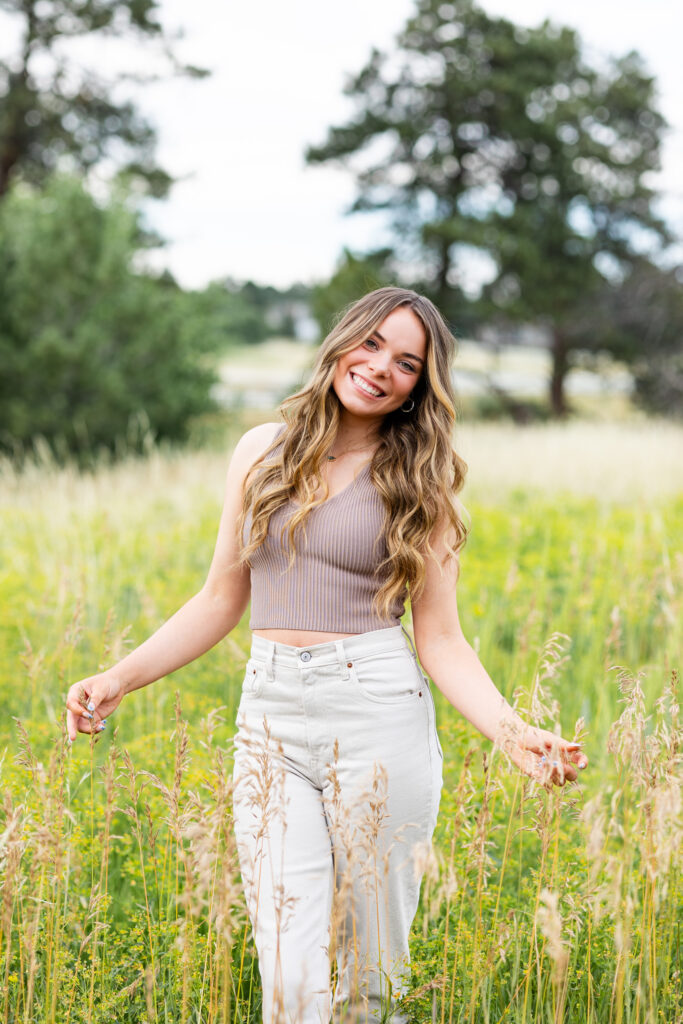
252	445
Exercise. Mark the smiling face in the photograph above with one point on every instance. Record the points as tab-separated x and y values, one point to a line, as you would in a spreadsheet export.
379	375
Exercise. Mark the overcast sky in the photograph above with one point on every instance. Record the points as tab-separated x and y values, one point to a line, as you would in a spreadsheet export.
247	205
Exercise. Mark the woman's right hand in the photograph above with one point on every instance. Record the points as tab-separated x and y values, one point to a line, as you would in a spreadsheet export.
89	701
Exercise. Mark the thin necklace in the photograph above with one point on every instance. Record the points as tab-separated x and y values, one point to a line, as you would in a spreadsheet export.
349	451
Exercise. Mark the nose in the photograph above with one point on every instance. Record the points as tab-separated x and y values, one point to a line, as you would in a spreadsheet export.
379	363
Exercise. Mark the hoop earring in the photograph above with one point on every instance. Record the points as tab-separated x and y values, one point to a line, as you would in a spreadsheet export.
410	407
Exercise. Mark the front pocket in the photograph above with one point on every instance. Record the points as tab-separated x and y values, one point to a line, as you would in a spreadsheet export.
389	678
253	678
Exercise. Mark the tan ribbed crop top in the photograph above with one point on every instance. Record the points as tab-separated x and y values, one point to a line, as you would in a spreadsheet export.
334	578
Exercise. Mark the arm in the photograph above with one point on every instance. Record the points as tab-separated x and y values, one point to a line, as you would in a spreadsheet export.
202	621
451	662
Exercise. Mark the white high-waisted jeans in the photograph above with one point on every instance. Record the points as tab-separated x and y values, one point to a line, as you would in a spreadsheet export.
338	772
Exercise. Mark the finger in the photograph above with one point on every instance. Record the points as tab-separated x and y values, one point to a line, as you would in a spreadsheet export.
578	758
80	716
566	747
84	724
73	703
571	753
90	726
553	742
555	771
565	771
94	698
566	751
84	698
544	747
541	741
556	774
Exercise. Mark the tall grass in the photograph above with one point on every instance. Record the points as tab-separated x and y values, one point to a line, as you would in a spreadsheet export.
121	899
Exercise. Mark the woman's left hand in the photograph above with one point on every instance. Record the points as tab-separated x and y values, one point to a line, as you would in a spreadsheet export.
546	757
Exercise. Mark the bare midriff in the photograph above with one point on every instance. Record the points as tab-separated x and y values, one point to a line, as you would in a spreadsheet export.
299	637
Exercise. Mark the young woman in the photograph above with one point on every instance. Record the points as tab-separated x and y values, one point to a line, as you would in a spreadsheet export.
329	522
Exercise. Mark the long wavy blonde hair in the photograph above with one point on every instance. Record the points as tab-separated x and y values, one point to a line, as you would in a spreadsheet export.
414	468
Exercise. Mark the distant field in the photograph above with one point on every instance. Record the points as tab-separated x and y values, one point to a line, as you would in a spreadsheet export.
260	375
120	898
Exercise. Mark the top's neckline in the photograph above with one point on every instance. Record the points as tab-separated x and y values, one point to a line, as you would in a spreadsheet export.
338	494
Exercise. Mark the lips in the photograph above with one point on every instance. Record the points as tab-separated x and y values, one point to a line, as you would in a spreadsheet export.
371	390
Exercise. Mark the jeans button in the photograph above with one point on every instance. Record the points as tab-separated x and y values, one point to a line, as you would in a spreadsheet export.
305	655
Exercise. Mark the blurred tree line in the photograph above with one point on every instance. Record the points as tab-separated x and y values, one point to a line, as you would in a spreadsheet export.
482	140
90	346
488	141
54	111
93	349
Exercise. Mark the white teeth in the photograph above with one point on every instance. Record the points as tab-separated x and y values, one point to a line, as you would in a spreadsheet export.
366	387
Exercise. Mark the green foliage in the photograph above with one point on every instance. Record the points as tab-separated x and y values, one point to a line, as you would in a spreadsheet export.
53	112
271	311
228	315
485	137
353	278
89	348
497	404
640	319
118	867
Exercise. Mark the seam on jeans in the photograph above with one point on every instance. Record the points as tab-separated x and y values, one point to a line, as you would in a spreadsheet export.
432	718
435	759
410	641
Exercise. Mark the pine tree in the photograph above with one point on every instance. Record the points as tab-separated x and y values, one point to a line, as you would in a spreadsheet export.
478	134
55	115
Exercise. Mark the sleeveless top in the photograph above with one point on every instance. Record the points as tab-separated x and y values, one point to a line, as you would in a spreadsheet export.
333	580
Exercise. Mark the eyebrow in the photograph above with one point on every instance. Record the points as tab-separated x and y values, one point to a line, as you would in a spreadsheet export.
410	354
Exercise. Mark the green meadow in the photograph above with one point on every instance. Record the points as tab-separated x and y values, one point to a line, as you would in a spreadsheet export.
120	891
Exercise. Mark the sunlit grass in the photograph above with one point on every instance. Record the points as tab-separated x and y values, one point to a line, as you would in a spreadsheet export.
120	892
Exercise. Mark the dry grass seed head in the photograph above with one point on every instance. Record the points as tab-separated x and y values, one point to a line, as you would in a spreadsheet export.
626	738
549	921
539	706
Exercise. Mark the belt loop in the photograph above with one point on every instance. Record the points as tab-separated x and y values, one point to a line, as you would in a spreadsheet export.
269	661
342	659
